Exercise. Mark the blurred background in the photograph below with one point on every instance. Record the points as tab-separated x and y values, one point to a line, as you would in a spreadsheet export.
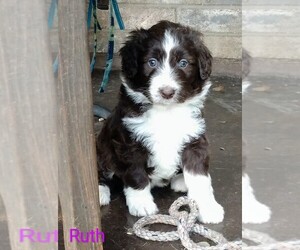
219	21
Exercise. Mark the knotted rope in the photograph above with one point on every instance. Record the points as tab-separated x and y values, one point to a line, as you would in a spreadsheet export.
186	223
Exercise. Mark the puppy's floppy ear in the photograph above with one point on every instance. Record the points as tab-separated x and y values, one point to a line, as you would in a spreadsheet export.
131	52
204	61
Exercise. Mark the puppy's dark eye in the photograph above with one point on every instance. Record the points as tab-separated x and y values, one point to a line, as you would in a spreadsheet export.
152	62
183	63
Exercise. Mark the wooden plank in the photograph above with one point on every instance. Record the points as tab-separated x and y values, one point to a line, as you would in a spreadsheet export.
78	183
28	124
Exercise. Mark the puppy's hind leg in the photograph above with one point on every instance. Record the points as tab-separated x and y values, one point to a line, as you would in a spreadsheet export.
104	190
104	195
103	179
178	184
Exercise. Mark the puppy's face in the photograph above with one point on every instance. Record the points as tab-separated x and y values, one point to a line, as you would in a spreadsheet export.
166	64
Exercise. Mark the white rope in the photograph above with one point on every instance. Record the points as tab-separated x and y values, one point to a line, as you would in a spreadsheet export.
186	223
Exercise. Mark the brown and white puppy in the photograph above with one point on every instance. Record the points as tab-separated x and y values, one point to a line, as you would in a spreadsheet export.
157	127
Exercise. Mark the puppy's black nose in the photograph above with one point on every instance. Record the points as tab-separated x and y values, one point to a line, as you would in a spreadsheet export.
167	92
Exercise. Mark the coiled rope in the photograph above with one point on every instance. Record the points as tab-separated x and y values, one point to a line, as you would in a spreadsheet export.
186	224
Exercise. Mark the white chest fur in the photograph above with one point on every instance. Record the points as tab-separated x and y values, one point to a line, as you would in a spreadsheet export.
164	131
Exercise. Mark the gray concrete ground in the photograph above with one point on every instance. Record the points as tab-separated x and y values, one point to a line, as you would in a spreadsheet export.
271	118
223	117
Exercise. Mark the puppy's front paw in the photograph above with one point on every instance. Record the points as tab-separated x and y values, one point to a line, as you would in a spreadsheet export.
256	212
178	184
140	201
142	208
211	212
104	195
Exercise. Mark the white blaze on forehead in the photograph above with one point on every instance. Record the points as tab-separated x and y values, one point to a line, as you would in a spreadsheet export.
169	43
165	76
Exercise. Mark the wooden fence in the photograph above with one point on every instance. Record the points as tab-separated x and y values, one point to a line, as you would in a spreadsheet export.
47	143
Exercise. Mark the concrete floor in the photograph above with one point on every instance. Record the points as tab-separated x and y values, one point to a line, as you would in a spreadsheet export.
223	117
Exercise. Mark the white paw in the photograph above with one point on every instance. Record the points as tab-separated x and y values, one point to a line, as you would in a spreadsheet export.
142	208
104	195
211	212
255	212
178	184
140	201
